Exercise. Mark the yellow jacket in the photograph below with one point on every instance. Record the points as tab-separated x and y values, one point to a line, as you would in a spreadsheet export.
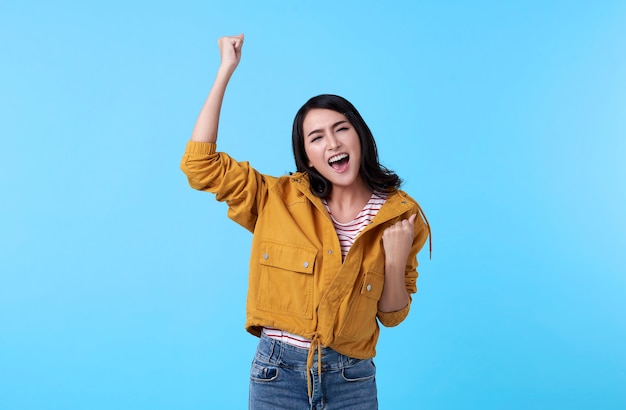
297	281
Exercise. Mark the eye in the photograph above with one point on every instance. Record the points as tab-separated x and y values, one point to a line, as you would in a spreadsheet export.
315	138
342	129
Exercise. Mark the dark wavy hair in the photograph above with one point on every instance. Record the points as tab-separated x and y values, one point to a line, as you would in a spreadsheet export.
375	175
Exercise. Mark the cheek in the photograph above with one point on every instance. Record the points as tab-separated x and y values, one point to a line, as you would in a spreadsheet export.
357	146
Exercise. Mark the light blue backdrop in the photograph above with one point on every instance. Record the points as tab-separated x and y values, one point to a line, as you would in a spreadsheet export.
122	288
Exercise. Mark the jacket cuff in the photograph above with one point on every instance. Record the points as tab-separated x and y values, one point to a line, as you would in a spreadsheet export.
390	319
200	148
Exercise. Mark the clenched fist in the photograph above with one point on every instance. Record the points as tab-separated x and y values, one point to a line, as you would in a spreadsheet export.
397	241
230	50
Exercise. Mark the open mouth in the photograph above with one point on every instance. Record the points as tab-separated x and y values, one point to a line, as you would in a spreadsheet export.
339	161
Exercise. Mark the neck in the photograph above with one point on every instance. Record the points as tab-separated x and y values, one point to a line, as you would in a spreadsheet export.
348	197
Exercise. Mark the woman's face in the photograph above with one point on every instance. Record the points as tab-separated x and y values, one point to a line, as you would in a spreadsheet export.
332	146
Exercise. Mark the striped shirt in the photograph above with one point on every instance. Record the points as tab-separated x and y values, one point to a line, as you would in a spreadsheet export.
347	233
286	337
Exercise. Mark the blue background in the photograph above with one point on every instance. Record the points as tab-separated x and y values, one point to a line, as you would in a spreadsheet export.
122	288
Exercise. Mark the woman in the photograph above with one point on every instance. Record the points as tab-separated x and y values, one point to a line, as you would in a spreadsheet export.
333	252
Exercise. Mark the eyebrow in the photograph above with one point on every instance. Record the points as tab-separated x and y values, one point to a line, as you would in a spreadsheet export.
334	125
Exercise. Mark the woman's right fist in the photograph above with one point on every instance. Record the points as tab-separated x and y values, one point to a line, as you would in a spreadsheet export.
230	50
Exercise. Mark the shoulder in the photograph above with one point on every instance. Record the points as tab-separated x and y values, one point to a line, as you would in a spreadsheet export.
296	178
402	197
297	181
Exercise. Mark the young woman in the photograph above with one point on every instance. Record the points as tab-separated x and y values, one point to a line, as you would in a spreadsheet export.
334	250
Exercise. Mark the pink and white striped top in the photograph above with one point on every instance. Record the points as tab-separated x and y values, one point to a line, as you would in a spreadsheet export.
347	234
286	337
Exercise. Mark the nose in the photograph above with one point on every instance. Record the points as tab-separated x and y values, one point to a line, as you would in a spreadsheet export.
333	142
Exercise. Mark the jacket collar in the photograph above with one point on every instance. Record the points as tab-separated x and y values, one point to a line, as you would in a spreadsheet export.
395	205
301	181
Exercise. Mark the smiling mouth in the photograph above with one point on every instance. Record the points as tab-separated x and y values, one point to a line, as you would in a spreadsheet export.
338	162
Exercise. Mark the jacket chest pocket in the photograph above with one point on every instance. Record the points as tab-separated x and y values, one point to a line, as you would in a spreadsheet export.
286	283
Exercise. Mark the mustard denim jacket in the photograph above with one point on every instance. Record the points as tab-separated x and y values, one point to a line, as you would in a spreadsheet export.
297	281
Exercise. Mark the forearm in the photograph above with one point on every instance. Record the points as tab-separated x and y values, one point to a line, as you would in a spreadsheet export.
397	240
395	295
207	123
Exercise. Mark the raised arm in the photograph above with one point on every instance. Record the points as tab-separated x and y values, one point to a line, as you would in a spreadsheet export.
207	123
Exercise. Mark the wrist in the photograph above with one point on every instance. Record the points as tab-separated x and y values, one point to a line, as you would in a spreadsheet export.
394	268
226	69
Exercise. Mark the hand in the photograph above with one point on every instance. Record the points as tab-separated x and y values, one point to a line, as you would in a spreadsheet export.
230	50
397	242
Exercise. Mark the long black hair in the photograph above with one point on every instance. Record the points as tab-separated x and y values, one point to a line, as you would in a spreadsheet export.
376	176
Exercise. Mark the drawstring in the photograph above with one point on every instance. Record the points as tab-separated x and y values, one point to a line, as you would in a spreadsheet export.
430	235
315	344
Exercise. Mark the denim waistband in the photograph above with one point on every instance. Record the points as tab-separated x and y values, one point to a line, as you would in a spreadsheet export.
275	352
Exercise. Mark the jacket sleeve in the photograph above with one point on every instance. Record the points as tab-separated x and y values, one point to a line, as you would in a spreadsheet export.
236	183
420	235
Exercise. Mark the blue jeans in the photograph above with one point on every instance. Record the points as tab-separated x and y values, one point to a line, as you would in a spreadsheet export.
278	380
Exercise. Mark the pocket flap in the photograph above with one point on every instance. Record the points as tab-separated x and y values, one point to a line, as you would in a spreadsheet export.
373	285
288	257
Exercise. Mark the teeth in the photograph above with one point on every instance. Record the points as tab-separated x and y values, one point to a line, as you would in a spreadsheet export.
337	158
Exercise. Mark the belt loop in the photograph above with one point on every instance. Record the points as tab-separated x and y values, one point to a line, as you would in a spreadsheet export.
344	361
272	350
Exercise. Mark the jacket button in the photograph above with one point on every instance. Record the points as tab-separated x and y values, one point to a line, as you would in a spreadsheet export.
265	256
330	251
306	264
368	287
